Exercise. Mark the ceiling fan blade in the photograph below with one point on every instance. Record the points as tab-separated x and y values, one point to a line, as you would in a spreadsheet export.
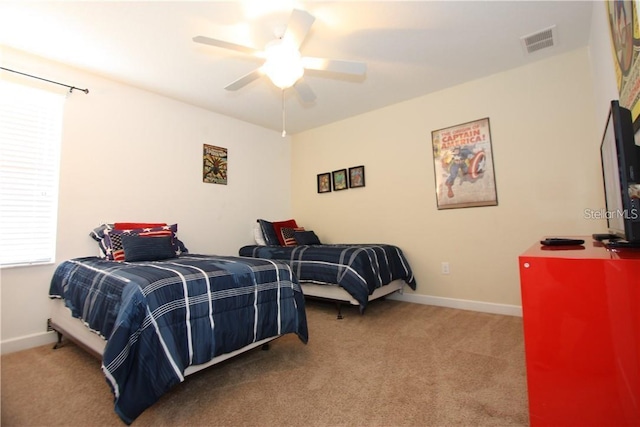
298	26
334	65
245	80
226	45
305	92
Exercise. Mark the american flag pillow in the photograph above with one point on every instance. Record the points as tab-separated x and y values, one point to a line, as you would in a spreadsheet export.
288	235
113	239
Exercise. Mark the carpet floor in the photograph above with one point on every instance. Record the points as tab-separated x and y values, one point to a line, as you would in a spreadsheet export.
399	364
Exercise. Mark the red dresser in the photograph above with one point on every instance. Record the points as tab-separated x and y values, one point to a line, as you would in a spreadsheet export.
581	315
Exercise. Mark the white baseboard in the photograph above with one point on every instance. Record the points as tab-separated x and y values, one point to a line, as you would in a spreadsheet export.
484	307
27	342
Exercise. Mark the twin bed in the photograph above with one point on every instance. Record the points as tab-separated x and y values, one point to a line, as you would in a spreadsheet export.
166	319
168	314
353	274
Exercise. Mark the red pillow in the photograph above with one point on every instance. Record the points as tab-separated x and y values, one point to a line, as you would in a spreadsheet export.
277	226
132	225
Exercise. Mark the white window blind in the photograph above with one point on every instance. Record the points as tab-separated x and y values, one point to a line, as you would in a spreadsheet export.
30	138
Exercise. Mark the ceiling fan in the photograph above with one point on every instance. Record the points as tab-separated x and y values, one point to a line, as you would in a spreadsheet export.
283	63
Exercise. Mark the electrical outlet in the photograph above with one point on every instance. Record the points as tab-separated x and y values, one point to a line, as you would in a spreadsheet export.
49	328
445	267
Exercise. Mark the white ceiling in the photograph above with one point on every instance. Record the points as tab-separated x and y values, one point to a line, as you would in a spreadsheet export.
411	48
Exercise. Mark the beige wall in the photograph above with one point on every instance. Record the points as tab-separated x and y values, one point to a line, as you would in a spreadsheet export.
545	146
131	155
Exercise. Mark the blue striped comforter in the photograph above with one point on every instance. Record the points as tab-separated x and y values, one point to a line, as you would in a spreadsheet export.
161	317
359	269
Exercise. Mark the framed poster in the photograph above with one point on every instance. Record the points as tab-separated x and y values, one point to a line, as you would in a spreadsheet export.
339	180
463	166
356	177
324	182
625	42
214	164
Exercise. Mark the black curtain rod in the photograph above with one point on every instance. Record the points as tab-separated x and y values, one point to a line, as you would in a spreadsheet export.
71	88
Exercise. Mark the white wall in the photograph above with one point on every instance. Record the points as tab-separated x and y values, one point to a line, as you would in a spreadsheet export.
131	155
547	167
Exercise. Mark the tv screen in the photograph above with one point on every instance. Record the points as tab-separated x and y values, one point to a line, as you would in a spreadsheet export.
621	169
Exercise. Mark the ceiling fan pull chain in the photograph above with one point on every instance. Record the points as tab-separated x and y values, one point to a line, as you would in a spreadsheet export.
284	132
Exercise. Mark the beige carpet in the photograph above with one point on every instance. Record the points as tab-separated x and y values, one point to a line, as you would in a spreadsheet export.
399	364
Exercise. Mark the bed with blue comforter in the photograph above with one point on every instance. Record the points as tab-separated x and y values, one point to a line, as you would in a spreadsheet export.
359	269
161	317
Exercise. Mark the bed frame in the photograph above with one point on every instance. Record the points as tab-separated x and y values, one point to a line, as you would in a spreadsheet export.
72	328
340	296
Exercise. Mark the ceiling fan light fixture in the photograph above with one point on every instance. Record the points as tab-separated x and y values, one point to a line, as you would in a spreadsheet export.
283	63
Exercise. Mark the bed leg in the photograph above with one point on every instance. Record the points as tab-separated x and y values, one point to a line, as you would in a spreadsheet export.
59	343
339	306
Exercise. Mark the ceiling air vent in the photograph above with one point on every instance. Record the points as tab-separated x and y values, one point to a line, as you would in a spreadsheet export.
539	40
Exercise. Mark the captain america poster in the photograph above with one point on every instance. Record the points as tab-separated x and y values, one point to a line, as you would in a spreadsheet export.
463	166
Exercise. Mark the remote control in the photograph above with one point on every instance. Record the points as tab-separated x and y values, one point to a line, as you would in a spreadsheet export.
561	241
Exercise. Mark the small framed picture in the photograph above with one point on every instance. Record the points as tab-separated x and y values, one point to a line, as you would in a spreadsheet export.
340	180
356	177
214	164
324	182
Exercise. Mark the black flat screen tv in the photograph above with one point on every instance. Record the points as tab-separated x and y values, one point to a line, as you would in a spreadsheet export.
621	172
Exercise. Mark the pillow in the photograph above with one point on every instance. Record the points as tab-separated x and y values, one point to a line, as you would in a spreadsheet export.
278	225
306	238
182	249
269	233
258	236
97	233
113	239
287	235
132	225
140	248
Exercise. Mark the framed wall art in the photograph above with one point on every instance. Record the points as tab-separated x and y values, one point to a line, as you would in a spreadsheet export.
623	25
214	164
356	177
463	166
324	182
340	180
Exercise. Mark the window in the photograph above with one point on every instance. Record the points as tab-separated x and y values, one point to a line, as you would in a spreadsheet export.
30	138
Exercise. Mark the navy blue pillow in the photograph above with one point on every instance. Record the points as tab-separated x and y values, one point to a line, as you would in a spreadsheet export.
139	248
269	233
306	238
